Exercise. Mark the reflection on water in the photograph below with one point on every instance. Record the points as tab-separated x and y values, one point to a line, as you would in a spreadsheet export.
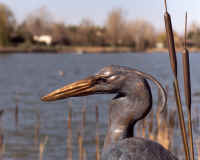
24	78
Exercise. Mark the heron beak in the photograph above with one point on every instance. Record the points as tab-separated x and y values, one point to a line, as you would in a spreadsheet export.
80	88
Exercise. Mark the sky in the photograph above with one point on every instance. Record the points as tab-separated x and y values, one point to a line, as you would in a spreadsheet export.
72	12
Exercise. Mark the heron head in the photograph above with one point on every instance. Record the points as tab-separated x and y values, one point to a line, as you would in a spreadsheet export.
107	80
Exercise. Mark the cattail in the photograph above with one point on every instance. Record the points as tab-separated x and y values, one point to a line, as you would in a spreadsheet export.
187	88
170	41
173	61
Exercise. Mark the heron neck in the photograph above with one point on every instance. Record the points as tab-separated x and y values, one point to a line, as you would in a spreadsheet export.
123	119
118	132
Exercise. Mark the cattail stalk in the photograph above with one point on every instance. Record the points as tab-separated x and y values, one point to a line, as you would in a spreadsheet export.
187	89
173	61
181	120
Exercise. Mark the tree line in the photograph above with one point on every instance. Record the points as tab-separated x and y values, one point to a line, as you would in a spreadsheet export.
117	31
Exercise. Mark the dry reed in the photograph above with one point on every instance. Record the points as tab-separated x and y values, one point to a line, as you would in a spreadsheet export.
173	61
81	132
16	115
42	147
187	89
37	130
2	145
69	133
97	135
198	149
2	148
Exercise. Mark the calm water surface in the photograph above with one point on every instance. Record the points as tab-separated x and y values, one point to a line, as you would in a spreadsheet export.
26	77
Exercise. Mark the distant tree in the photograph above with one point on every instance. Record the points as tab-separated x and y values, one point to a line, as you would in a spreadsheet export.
141	33
7	24
39	22
90	33
115	25
86	30
60	34
194	35
162	38
22	35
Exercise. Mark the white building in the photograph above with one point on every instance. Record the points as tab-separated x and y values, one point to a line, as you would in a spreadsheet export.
47	39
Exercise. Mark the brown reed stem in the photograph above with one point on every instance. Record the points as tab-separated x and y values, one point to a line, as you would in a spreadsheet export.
37	130
144	128
84	154
173	61
1	146
181	119
198	149
69	134
83	121
16	115
81	134
42	147
80	146
2	149
97	134
187	89
171	121
109	116
165	3
185	41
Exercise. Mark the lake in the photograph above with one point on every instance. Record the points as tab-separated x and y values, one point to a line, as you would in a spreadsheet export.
24	78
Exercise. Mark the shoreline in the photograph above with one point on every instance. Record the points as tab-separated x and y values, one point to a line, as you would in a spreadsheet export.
85	49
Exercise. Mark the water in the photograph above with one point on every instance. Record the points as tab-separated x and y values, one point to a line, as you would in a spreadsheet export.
26	77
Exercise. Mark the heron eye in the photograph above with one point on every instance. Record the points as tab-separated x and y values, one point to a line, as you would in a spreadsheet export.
102	79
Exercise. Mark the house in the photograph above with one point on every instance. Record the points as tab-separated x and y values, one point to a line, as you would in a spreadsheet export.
47	39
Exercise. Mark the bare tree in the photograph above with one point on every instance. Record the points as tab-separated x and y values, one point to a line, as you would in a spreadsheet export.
88	32
142	33
7	24
60	34
39	21
194	35
115	26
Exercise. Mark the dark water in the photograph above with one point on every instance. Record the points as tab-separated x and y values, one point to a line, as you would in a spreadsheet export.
26	77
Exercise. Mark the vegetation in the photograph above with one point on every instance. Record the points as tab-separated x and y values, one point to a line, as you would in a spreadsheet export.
116	32
7	24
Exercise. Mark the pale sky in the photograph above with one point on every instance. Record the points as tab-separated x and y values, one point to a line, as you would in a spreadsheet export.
71	12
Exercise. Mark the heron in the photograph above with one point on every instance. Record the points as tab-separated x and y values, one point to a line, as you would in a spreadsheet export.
131	103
